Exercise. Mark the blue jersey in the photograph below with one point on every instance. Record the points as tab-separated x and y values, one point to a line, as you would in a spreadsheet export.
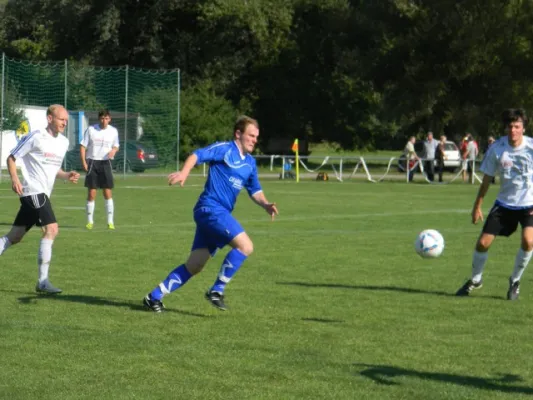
229	172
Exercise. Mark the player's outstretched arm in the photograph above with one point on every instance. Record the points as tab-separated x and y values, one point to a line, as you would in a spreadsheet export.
271	208
477	214
182	175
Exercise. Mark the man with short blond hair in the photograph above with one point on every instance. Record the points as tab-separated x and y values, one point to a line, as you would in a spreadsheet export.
40	154
231	168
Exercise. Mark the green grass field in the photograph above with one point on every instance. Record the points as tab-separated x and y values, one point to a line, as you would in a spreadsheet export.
333	304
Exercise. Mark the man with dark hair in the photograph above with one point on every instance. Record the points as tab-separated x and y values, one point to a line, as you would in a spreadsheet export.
231	168
512	157
430	146
41	154
97	149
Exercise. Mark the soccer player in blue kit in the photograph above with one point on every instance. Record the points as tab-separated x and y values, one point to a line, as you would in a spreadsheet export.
231	168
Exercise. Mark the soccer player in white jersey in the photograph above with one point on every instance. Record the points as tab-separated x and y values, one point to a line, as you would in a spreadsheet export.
97	149
231	168
512	157
40	153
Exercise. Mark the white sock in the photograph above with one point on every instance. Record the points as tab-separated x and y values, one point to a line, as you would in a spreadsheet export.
90	212
4	244
45	256
110	208
478	264
520	264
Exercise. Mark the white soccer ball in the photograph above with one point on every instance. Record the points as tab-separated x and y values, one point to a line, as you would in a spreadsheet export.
429	244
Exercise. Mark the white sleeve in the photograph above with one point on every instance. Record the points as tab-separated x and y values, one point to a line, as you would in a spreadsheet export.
115	142
24	146
85	141
490	163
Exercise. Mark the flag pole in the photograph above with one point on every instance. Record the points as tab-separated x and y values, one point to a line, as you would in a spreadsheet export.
296	149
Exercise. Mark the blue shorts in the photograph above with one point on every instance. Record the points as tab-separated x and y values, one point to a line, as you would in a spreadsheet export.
214	229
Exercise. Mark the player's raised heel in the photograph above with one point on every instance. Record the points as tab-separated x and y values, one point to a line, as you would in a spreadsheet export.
216	299
468	287
514	290
152	304
89	226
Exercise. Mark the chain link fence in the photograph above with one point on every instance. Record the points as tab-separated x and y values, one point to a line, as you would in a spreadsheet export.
144	106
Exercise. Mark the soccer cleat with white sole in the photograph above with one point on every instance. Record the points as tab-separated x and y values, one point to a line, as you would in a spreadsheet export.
46	287
216	299
153	304
468	287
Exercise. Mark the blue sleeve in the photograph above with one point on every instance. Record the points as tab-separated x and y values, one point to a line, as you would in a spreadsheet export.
252	185
214	152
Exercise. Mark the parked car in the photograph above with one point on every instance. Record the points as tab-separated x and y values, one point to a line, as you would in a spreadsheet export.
451	151
139	158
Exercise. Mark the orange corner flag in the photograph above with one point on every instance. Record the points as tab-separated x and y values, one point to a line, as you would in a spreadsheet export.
295	146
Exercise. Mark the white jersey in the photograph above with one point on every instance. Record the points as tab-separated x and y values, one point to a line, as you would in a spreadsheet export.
40	156
515	168
99	142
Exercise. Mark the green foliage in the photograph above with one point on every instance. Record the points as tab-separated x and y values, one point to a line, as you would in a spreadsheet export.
82	90
13	115
205	117
160	131
361	73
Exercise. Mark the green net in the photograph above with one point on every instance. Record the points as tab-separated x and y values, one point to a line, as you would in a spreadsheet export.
144	106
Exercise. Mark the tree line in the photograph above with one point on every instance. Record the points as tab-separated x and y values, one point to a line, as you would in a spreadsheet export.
360	73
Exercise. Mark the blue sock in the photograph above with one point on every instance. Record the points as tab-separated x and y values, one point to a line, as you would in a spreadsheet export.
176	279
230	266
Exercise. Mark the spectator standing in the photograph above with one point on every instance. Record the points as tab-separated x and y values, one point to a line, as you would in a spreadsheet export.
471	155
430	145
410	157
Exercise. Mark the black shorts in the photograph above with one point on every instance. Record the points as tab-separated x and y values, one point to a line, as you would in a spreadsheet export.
35	210
99	175
503	221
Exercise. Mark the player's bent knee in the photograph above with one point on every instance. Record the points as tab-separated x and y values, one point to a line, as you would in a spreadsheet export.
243	243
51	231
527	245
483	244
247	248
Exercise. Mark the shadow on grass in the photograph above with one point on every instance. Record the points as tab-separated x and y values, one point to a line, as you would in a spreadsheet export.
383	374
36	227
99	301
324	320
378	288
